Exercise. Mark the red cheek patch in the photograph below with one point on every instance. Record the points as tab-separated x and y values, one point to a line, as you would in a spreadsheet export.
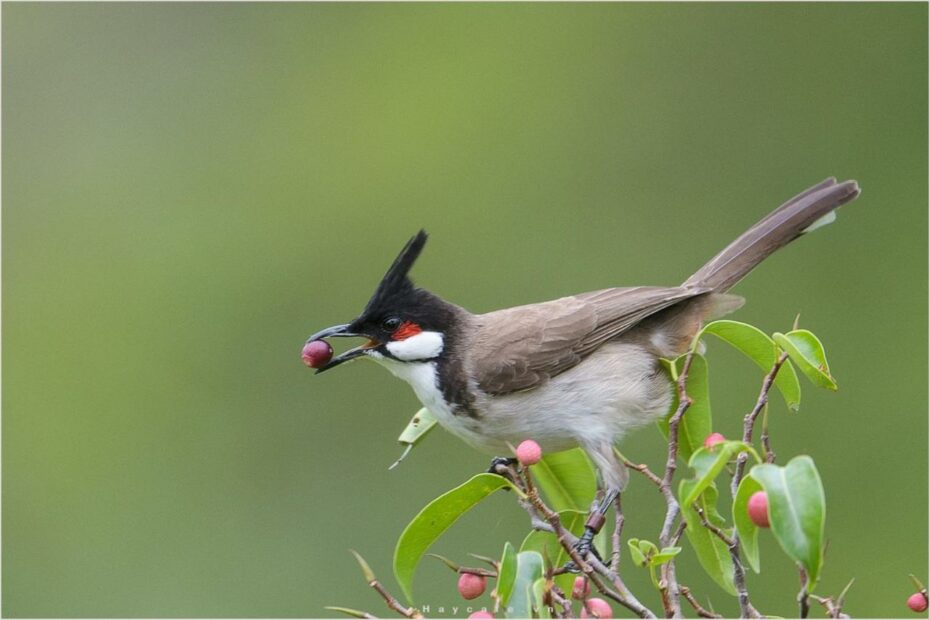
406	330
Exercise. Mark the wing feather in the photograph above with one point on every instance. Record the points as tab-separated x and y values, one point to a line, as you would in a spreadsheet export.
521	348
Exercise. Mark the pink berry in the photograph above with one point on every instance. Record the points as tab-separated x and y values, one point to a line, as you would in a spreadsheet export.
917	602
581	588
529	453
758	509
596	608
317	353
481	614
713	439
471	585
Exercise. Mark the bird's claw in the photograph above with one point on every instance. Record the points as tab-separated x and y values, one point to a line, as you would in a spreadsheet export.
582	548
501	464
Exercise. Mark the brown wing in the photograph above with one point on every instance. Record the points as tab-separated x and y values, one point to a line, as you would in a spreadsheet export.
523	347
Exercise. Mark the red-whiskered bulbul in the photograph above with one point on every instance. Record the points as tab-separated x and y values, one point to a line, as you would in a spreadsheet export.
582	370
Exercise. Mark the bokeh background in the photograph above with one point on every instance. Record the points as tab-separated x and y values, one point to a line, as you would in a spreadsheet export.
189	190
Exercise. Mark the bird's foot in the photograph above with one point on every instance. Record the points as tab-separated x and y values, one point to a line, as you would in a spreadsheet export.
501	465
582	548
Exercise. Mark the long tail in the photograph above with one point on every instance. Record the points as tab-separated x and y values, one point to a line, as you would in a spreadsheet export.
774	231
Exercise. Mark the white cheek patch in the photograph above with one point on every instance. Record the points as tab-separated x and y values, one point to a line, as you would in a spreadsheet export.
423	346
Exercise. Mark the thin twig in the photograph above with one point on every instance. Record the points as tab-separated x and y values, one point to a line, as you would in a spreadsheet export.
739	573
618	529
641	468
393	603
670	598
590	565
750	419
719	533
704	613
559	600
833	607
804	605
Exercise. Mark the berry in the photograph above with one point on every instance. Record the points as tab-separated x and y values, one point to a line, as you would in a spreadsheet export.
758	509
596	608
317	353
529	453
917	602
471	585
581	588
483	615
713	439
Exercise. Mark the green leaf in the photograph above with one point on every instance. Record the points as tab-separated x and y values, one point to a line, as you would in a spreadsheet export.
529	569
761	349
709	463
806	350
636	554
747	530
711	551
664	556
506	574
435	519
797	509
547	544
422	422
696	424
567	479
539	591
366	570
348	611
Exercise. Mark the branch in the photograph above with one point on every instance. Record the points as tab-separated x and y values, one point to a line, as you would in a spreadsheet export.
686	592
670	599
804	605
590	565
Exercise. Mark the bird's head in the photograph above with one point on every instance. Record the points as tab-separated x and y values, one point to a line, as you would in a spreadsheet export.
402	323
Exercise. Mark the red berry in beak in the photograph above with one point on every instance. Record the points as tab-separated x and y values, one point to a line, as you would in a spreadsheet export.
917	602
317	353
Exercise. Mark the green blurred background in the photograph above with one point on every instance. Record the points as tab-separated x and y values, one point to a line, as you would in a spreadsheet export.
190	190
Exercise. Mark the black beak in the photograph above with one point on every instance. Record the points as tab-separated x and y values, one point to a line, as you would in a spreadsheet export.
342	331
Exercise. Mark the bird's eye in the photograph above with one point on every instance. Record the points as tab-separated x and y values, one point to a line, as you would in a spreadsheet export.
390	324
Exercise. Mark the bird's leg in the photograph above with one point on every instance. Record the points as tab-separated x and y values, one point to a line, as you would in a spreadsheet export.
613	478
592	526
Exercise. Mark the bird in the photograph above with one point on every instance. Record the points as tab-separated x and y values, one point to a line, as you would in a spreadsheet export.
582	370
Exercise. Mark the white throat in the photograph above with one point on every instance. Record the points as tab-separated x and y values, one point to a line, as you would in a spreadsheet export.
421	347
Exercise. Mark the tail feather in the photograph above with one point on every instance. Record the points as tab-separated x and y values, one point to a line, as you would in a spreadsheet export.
774	231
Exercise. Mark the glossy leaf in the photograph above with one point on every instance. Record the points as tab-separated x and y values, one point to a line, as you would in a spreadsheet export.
663	556
806	350
547	544
506	573
747	530
567	479
539	593
355	613
760	348
708	464
422	422
435	519
797	509
636	554
529	569
696	424
712	553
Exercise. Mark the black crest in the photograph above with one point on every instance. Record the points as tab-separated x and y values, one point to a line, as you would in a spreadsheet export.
396	283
